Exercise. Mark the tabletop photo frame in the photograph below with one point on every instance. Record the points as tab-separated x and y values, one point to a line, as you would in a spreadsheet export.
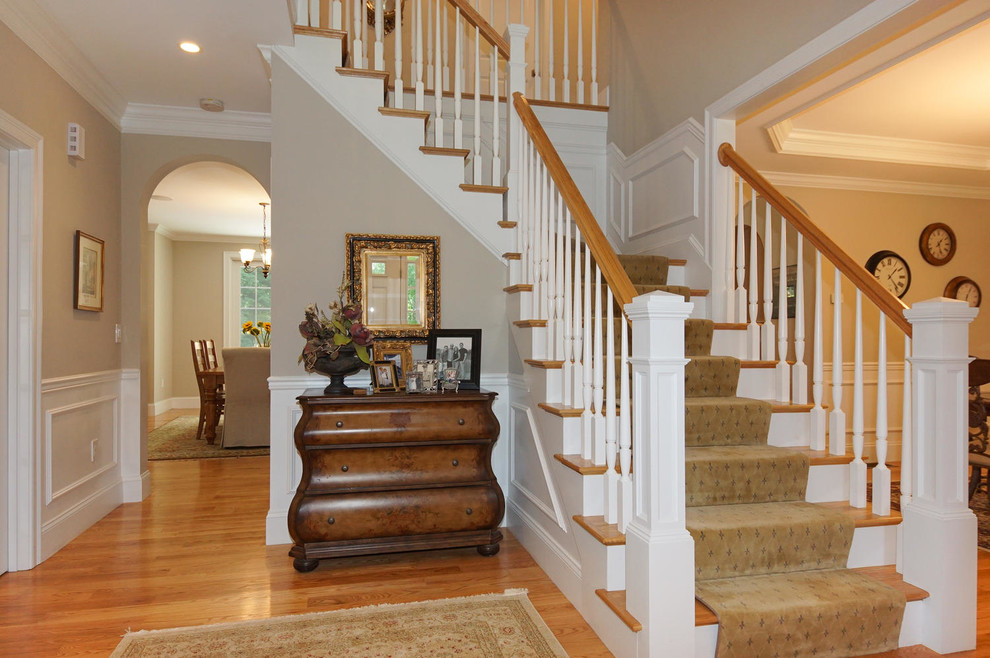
383	376
460	349
400	353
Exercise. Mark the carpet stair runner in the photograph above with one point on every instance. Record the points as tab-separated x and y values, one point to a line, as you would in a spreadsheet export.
768	564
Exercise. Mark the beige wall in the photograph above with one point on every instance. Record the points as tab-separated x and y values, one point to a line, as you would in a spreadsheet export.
78	195
159	380
329	180
671	59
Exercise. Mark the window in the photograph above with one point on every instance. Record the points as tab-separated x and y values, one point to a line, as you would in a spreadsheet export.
247	298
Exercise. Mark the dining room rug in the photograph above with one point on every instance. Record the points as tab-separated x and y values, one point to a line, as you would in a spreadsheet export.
489	625
176	439
979	503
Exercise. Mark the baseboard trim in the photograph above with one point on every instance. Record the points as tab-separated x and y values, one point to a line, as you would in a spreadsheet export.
134	490
160	407
68	525
562	567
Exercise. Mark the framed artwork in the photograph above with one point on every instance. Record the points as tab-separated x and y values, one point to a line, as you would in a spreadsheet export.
400	353
459	349
383	377
428	373
88	294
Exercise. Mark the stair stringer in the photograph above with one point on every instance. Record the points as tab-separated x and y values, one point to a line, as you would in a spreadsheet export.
399	139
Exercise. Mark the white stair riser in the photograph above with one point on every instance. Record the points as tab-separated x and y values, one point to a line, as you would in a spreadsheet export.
756	383
730	342
873	547
602	567
789	429
828	483
588	489
677	275
700	310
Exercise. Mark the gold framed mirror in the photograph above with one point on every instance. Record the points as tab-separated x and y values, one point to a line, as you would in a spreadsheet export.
397	280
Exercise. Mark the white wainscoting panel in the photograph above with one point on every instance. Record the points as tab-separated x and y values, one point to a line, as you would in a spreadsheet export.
82	417
530	466
286	466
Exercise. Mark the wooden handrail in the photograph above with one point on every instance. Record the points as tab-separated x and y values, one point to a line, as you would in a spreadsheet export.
472	16
615	275
891	306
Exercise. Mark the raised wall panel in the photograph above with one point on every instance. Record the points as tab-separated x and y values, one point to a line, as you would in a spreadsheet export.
530	466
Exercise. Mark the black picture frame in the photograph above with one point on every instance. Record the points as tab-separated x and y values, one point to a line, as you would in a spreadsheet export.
440	340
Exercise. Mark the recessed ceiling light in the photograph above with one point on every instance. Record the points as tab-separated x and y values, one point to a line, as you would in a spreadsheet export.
189	46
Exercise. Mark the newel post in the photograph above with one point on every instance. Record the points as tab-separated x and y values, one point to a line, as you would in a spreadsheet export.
515	81
659	549
939	528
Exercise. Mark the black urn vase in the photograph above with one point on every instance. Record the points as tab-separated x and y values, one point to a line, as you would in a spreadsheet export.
347	363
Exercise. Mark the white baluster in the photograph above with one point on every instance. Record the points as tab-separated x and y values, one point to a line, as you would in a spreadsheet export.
420	85
314	13
534	271
599	371
552	91
594	54
437	89
458	81
767	333
580	52
753	328
380	35
907	430
625	432
365	39
336	15
537	246
357	60
567	58
559	279
446	45
799	371
837	417
740	300
611	438
430	79
568	310
729	272
477	107
493	84
783	369
818	415
857	469
302	12
577	331
537	54
881	474
399	90
589	364
550	266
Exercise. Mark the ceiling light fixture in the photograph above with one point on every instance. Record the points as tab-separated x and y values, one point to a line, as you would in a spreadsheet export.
247	255
211	104
189	46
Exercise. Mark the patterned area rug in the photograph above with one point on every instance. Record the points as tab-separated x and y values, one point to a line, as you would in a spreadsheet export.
176	439
979	503
490	625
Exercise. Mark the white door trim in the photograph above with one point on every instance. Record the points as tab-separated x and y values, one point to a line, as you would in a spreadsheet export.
24	349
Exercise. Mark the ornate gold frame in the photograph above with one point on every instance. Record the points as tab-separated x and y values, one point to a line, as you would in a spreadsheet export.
357	244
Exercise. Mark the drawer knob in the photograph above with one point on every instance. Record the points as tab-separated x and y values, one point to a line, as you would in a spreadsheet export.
468	510
460	421
345	468
340	423
455	462
331	520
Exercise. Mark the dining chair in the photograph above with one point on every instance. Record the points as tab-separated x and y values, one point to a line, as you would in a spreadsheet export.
201	362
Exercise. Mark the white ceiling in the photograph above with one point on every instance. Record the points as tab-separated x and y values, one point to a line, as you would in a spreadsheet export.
211	200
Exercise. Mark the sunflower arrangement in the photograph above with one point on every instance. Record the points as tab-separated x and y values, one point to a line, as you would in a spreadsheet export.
262	332
327	336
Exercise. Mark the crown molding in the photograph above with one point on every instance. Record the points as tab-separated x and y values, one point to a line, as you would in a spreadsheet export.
786	179
35	27
789	140
175	121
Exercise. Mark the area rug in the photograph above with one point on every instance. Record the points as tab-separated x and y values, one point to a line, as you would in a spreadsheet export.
979	503
176	439
490	626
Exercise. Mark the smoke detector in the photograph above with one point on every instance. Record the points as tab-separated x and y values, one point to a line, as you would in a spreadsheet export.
211	104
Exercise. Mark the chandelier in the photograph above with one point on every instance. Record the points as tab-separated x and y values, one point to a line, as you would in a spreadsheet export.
265	248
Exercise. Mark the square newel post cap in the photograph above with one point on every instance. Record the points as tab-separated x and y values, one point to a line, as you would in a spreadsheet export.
658	304
940	324
515	31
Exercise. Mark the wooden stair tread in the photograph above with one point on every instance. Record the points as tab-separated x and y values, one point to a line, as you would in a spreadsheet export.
363	73
440	150
530	323
484	189
607	533
616	601
823	457
886	574
330	33
699	292
405	113
569	106
512	255
790	407
864	517
519	287
579	464
545	364
757	364
730	326
505	223
561	410
677	262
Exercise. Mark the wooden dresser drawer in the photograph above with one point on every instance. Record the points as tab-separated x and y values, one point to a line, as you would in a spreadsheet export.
338	517
409	466
400	421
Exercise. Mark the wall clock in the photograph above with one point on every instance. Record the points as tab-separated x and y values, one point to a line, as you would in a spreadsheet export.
937	244
964	289
891	270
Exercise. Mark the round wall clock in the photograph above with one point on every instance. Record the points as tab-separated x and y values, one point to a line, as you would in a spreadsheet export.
964	289
937	244
892	271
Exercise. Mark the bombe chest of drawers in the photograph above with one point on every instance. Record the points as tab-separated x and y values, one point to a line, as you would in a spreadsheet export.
387	472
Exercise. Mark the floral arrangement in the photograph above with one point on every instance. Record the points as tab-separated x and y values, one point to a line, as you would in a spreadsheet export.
325	336
262	332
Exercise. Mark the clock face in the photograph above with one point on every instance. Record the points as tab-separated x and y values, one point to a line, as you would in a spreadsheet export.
965	290
938	244
891	270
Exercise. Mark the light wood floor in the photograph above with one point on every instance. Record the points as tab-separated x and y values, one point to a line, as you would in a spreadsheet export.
194	553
